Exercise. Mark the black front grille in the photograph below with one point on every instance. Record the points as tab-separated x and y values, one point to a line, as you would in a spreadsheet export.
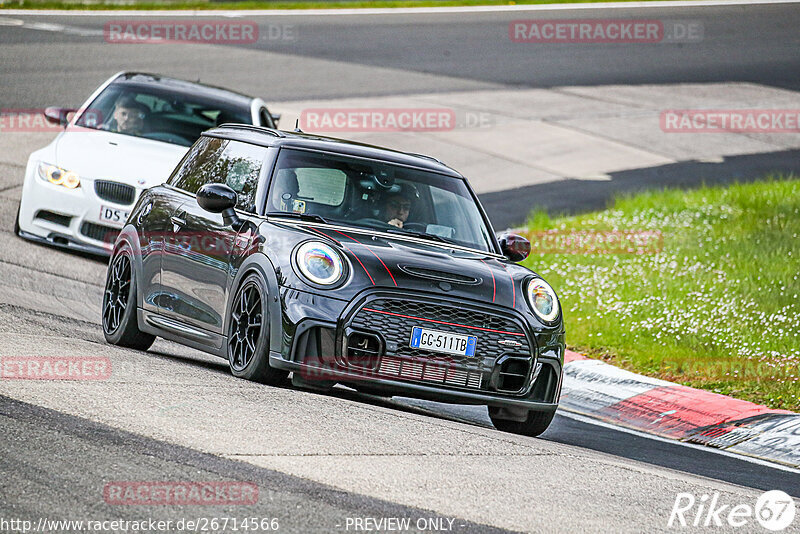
55	218
115	192
498	335
99	232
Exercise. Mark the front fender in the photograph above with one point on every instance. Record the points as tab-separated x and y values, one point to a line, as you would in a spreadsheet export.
129	236
261	264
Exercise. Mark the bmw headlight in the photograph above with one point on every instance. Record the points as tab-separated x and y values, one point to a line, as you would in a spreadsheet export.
319	262
58	176
542	299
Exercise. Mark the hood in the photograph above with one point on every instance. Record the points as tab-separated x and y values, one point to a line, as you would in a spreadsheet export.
378	262
96	154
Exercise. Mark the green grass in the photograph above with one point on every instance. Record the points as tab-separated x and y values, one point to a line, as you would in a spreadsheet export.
264	4
717	308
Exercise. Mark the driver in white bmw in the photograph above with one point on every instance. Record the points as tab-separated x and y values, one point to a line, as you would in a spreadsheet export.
129	116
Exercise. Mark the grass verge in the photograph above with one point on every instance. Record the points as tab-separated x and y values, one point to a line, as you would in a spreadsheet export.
265	4
713	302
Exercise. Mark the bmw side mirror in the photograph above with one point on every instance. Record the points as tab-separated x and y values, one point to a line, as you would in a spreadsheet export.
219	198
57	115
514	246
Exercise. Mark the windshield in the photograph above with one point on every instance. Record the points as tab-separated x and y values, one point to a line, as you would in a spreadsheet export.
158	114
377	195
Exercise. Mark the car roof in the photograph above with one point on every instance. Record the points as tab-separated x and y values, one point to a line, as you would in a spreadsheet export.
141	79
297	139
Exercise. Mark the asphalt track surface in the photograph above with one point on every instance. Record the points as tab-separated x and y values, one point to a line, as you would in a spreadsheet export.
175	414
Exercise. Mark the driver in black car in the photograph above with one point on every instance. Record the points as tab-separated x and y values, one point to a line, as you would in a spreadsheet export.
398	205
128	117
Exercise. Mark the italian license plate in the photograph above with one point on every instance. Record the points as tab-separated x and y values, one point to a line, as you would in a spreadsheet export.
116	217
445	342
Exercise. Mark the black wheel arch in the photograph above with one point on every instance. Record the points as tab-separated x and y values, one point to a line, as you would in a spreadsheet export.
260	264
129	237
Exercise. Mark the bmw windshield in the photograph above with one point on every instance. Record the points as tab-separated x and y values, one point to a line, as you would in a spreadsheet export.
157	114
376	195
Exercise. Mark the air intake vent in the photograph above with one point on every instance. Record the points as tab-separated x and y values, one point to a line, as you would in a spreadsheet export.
115	192
511	373
55	218
441	276
362	350
99	232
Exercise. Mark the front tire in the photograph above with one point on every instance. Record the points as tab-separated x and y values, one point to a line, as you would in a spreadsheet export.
534	424
248	334
120	326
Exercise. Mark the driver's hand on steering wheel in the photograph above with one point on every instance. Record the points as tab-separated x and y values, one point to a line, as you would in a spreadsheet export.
396	222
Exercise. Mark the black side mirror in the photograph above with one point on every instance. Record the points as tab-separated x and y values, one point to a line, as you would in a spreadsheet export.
514	247
219	198
58	115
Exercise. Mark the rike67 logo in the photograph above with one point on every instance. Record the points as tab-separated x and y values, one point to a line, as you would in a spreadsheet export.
774	510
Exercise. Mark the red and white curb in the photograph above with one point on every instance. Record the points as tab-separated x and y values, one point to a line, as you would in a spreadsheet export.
601	391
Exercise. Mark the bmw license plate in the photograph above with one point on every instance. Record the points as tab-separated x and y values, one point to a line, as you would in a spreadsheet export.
114	216
446	342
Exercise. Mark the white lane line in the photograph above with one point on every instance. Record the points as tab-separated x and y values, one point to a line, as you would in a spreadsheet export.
60	28
751	459
403	10
11	22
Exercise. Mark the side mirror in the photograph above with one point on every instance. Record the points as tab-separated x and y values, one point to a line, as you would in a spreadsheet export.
219	198
57	115
514	247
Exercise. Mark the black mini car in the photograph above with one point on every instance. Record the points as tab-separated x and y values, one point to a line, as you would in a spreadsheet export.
341	263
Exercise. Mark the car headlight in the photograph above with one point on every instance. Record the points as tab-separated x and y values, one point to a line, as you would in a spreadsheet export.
58	176
542	299
319	262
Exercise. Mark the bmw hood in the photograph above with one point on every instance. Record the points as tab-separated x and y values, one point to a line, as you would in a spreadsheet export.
96	155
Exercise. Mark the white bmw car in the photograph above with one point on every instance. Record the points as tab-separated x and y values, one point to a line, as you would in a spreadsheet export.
128	136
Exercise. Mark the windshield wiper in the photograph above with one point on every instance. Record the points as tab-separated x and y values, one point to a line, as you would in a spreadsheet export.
313	217
421	235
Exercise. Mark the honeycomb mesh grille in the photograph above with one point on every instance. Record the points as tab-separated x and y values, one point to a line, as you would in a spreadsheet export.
394	319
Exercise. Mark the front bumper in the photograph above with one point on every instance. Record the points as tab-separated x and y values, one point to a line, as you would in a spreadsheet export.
318	345
68	218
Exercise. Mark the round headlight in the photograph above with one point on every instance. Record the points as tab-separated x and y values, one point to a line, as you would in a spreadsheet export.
319	262
58	176
70	179
542	299
54	174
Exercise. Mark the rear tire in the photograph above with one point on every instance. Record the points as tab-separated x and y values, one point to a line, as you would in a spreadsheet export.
120	323
534	425
248	334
